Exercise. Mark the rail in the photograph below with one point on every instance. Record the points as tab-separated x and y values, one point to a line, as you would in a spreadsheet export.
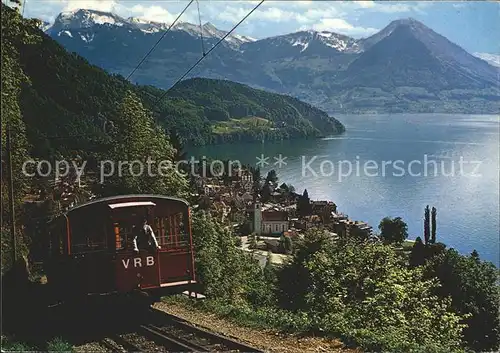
212	341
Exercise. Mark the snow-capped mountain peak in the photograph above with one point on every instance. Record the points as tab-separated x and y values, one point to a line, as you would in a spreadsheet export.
304	40
83	18
70	21
146	25
492	59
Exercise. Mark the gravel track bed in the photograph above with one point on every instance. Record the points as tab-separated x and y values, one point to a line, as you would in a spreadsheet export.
94	347
143	343
193	338
267	340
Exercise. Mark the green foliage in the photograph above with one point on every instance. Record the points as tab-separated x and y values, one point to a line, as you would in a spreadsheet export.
11	345
239	112
304	207
286	244
421	252
433	225
364	293
393	231
473	287
252	240
265	192
69	97
427	228
222	268
15	32
139	139
272	178
257	178
59	345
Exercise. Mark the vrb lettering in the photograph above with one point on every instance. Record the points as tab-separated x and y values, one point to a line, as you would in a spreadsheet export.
137	262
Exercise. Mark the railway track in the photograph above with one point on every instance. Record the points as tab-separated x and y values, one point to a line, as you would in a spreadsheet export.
147	339
168	333
204	340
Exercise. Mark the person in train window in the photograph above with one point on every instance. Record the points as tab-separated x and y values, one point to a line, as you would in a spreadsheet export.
147	235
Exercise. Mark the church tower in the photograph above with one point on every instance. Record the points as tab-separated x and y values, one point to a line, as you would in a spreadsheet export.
257	218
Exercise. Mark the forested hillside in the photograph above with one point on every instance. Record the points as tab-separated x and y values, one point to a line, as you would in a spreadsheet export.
59	106
68	96
201	105
406	67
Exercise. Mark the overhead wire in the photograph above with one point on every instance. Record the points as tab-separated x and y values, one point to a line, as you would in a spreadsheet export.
159	40
24	6
185	74
211	49
201	29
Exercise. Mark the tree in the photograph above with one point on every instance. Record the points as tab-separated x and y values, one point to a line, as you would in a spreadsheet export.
223	270
256	177
252	239
304	207
473	287
272	178
144	148
426	225
433	224
363	293
265	193
204	203
16	32
393	231
288	245
418	253
179	154
285	244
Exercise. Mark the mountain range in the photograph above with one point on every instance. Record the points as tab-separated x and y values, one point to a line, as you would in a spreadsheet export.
406	67
69	106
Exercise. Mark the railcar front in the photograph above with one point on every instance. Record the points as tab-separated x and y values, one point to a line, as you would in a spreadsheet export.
91	248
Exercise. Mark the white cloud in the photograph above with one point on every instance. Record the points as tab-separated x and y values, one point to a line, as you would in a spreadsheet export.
276	15
317	14
341	26
153	13
230	14
99	5
365	4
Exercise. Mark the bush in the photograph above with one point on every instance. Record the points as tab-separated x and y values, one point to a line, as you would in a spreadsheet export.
364	293
59	345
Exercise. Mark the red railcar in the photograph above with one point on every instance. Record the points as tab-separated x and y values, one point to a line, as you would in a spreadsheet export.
91	248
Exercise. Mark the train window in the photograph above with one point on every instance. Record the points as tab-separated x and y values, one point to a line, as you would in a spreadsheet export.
123	235
172	231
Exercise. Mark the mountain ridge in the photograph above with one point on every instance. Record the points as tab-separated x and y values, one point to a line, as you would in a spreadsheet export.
336	73
67	96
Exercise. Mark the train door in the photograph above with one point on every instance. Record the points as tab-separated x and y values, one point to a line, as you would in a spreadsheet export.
176	261
133	270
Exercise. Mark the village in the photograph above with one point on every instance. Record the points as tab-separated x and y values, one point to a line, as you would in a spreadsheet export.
267	216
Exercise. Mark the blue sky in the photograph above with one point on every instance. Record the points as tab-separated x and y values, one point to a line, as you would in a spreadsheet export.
473	25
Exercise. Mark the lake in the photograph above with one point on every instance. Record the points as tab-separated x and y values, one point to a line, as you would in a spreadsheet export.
395	165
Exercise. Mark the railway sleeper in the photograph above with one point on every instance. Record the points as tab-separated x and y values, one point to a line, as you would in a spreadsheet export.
170	341
228	342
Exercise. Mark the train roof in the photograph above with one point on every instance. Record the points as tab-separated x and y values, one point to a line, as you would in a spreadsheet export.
121	197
